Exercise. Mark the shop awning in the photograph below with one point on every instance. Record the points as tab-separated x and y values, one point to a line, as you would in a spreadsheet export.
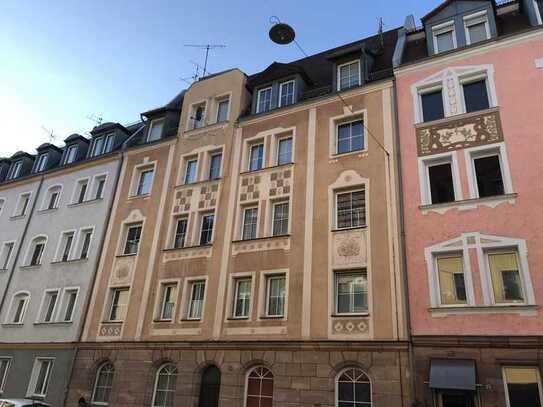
452	374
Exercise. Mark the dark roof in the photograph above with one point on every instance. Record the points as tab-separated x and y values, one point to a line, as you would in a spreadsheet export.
48	146
21	154
319	67
443	6
75	137
108	126
173	105
276	71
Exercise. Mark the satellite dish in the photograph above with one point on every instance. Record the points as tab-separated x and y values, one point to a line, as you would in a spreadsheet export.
282	34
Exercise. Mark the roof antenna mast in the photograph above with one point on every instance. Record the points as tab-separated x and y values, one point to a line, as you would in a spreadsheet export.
207	47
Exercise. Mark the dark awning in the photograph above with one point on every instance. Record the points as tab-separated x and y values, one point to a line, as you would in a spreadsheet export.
452	374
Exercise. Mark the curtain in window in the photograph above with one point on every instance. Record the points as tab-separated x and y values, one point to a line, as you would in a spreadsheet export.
505	276
452	288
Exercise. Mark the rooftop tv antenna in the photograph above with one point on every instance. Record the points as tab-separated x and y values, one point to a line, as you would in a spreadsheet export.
380	32
50	134
283	34
207	47
96	118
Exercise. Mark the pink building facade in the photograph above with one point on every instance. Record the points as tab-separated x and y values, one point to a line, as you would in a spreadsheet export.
470	98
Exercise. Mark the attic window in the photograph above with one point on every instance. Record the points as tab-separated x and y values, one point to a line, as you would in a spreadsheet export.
444	37
539	10
264	100
71	154
155	130
476	27
41	163
349	75
102	144
286	93
15	169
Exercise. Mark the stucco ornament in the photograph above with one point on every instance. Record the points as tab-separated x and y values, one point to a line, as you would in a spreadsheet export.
348	247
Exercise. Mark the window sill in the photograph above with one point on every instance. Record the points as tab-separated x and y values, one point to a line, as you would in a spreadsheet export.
336	156
353	315
136	197
238	319
256	239
70	261
89	202
30	267
272	317
126	255
3	270
203	129
195	183
17	217
53	323
112	322
460	116
201	246
522	309
48	210
349	229
162	321
13	324
471	203
266	168
191	319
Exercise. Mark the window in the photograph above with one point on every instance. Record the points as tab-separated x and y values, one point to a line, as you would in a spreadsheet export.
350	137
242	298
49	306
5	255
475	96
284	151
539	10
41	163
70	299
22	205
489	176
66	246
133	236
432	105
198	116
53	198
36	251
18	308
260	388
280	219
191	171
164	394
452	285
477	28
250	223
40	377
222	110
351	292
85	242
264	100
145	182
441	182
351	209
167	305
2	204
196	302
286	93
5	364
119	304
505	278
275	296
103	384
353	389
444	37
522	386
180	233
99	188
349	75
256	157
103	144
15	170
81	191
215	166
155	130
206	231
70	155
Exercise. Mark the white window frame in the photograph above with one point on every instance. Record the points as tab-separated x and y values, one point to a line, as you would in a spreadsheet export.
18	212
202	216
273	205
47	199
127	227
11	313
293	92
15	170
350	272
189	160
338	73
244	209
350	191
157	375
3	255
41	162
278	141
31	248
426	90
210	155
336	384
191	122
81	240
235	281
470	296
66	292
62	245
69	149
521	273
250	147
472	78
3	203
424	176
264	293
155	122
45	304
96	378
96	182
77	191
136	175
471	154
163	285
259	94
537	12
446	27
187	294
139	185
34	377
219	101
474	19
4	378
109	309
186	239
506	387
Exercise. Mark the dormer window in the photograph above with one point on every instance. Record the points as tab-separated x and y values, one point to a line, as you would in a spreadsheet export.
286	93
264	100
444	37
103	145
15	170
198	116
476	27
539	10
41	163
71	154
349	75
155	130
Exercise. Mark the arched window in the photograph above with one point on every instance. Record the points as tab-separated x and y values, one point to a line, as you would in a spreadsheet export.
35	251
210	387
103	384
259	388
19	305
164	393
353	389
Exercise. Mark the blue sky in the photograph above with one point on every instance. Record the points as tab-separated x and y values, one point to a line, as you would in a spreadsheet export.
64	60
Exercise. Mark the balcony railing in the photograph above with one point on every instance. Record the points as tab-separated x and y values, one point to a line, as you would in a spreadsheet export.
462	131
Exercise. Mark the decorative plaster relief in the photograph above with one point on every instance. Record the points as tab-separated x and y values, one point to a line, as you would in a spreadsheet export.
470	204
123	268
187	253
271	330
271	183
201	197
350	248
350	326
282	243
460	133
112	330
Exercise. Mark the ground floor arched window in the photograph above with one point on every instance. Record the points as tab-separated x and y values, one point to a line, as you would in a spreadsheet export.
259	387
164	392
353	389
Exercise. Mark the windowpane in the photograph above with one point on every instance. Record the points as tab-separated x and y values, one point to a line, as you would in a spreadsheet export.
6	255
215	166
165	386
109	143
196	300
206	233
133	237
155	132
119	304
353	389
68	240
51	304
169	294
476	96
103	384
351	293
242	298
350	137
506	281
432	106
70	305
276	296
82	191
145	182
37	253
349	75
284	151
180	233
260	388
20	305
4	368
280	219
489	176
250	222
87	235
98	146
523	386
190	172
100	188
445	41
71	155
452	286
351	209
42	163
256	157
441	183
264	100
222	111
287	93
42	379
477	32
198	117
